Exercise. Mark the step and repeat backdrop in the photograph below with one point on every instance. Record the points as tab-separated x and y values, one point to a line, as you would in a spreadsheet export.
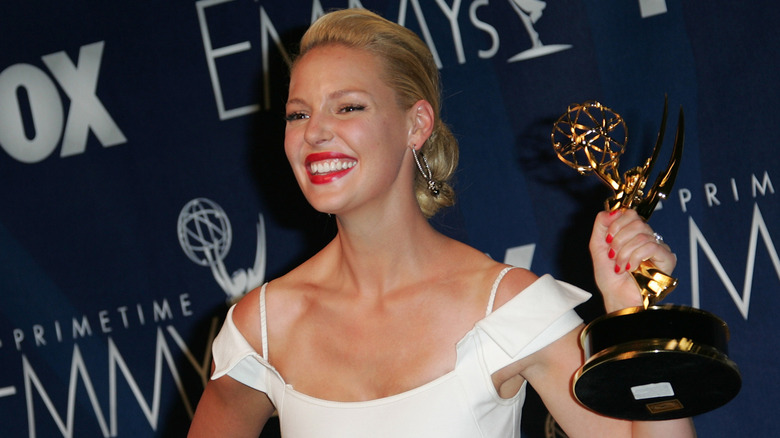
143	183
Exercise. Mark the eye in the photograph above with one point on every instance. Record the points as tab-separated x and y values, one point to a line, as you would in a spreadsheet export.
291	117
351	108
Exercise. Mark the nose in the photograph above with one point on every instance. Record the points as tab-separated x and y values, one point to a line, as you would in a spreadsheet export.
318	129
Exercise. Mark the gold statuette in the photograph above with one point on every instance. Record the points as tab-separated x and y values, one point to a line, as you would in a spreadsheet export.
654	362
591	138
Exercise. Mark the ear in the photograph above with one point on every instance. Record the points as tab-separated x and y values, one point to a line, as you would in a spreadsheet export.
422	121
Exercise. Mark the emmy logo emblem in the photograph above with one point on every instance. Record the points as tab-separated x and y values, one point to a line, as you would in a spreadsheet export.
652	362
205	236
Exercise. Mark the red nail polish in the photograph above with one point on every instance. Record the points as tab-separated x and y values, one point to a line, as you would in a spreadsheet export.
628	266
609	238
611	253
613	212
617	269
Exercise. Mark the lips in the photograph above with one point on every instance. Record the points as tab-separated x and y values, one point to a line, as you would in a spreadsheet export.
325	167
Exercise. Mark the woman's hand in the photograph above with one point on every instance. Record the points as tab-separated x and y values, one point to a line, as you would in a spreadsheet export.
621	240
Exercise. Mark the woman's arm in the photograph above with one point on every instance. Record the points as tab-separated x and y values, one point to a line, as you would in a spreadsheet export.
229	408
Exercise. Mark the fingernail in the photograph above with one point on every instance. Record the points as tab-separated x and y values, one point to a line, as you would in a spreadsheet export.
609	238
613	212
617	269
628	266
611	253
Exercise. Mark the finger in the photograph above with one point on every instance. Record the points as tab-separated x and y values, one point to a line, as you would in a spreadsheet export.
625	229
625	219
601	236
644	247
630	249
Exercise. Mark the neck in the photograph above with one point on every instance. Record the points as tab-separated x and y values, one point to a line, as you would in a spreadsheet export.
385	251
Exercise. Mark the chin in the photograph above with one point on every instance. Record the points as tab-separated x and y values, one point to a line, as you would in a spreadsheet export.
322	206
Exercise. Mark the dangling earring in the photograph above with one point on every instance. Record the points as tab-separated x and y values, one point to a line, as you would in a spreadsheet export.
432	185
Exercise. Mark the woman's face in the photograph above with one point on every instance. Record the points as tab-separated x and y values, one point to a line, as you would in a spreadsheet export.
346	136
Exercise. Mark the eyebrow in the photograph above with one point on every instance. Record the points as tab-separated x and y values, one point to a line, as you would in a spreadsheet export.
334	95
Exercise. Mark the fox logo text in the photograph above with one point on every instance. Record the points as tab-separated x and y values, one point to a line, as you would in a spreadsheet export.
32	114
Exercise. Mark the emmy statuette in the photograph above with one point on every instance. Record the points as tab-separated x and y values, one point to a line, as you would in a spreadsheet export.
651	362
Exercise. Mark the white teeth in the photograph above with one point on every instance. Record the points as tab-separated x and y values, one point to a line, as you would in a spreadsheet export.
335	165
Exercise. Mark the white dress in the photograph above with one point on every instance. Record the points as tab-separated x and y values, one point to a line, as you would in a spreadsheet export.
462	403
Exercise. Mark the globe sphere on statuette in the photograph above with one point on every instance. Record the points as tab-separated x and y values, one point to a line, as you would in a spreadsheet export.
590	137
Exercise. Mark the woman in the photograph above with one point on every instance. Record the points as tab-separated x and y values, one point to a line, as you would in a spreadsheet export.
393	329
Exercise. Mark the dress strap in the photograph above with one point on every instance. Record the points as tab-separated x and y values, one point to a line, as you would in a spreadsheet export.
263	323
493	291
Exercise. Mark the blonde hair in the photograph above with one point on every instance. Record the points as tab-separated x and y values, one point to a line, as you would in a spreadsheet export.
411	71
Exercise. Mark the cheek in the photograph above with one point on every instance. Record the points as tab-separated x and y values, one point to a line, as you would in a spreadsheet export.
292	152
291	145
295	162
288	149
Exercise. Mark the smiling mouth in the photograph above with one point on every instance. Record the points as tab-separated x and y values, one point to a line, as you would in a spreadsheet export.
325	167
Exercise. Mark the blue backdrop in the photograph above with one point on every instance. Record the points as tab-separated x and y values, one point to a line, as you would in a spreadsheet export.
143	182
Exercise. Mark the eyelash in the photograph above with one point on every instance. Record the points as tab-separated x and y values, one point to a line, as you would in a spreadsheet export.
350	108
294	116
344	109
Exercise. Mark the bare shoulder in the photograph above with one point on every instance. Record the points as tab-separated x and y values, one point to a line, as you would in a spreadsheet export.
246	317
284	299
514	283
482	271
